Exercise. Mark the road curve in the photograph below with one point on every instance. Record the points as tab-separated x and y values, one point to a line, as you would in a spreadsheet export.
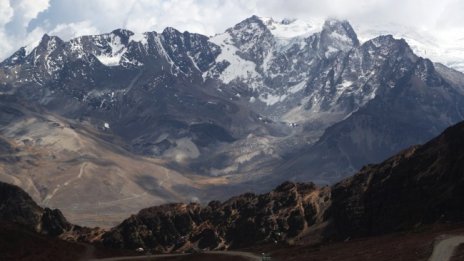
443	250
137	257
246	255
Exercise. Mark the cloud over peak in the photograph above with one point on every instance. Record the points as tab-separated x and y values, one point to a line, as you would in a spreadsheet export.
24	21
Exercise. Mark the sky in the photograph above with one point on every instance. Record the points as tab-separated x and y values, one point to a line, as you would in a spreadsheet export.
23	22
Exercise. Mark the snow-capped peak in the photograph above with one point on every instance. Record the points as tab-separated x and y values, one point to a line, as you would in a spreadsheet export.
291	28
444	47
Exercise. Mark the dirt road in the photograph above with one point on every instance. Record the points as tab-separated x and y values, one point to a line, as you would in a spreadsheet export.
443	250
245	255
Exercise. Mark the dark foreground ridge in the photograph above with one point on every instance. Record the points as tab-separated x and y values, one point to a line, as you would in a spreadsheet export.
17	206
285	213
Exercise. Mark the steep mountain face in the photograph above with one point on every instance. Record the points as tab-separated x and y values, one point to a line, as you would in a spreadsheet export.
145	91
281	71
263	102
411	89
444	48
419	186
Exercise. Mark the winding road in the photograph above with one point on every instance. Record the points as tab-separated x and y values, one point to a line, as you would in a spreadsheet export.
138	257
443	250
245	255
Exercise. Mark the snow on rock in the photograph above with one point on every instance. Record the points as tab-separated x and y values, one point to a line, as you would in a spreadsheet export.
289	32
238	67
330	50
76	47
109	60
291	28
139	37
340	37
113	57
271	99
297	87
346	84
444	47
30	47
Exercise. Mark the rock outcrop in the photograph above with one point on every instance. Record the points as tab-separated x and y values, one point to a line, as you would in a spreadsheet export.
284	213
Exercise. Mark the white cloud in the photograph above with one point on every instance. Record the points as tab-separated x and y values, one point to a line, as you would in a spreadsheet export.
14	18
28	10
68	31
6	12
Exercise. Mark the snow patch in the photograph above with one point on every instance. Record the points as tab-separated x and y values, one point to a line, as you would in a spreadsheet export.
271	99
76	47
114	56
139	37
109	60
297	87
30	47
346	84
340	37
163	52
291	28
238	68
330	50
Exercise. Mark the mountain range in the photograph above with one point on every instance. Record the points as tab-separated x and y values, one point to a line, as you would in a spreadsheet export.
103	125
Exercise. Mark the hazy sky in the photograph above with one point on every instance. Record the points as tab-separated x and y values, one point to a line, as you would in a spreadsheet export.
25	21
